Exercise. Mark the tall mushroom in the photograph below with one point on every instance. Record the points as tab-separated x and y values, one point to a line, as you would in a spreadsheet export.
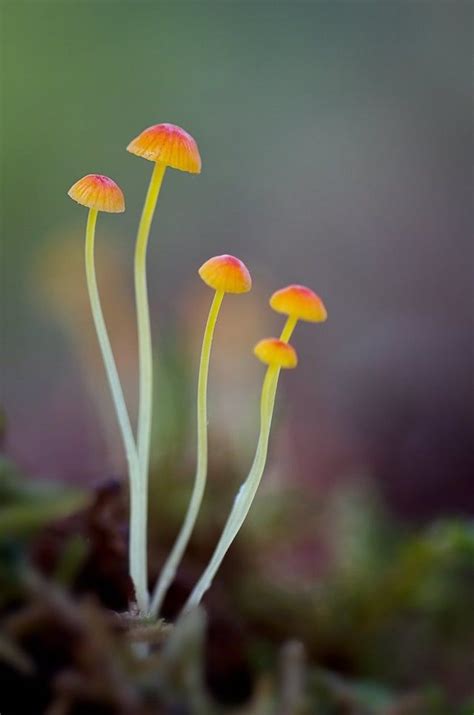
165	145
224	274
99	193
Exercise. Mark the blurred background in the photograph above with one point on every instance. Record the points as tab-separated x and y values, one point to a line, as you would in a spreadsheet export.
336	140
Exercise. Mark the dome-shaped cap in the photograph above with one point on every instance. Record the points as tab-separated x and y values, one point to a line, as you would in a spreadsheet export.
226	273
273	351
169	145
98	192
300	302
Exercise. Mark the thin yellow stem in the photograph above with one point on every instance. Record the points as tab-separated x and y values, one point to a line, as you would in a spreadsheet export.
169	569
246	493
143	319
137	567
248	489
145	356
288	328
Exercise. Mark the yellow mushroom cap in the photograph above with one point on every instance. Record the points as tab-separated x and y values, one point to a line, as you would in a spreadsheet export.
273	351
168	144
300	302
227	274
98	192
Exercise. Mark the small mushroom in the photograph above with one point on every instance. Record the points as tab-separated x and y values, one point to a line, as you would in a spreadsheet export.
99	193
298	303
225	274
165	145
273	351
277	354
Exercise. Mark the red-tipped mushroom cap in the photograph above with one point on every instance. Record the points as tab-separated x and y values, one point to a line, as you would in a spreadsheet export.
273	351
299	302
226	273
169	145
98	192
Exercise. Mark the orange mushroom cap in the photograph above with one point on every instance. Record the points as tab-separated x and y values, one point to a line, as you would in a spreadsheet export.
226	273
168	144
300	302
273	351
98	192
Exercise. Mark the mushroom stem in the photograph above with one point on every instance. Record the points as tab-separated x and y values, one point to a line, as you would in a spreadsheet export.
137	564
288	328
246	493
170	567
145	358
248	489
143	318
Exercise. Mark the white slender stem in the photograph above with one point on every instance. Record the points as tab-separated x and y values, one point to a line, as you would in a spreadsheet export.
145	358
137	565
171	565
246	493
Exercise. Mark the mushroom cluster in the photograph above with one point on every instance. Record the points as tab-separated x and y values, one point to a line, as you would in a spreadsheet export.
168	145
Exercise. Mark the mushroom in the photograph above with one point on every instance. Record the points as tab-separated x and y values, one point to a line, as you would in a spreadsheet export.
298	303
274	351
225	274
278	355
99	193
165	145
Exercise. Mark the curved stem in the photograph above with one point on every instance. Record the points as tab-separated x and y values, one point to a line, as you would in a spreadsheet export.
288	328
246	493
169	569
137	565
248	489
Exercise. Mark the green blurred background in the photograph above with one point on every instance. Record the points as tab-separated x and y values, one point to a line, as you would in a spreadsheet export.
336	145
336	140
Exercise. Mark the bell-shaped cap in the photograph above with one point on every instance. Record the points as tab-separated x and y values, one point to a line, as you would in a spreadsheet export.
98	192
169	145
273	351
299	302
226	273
